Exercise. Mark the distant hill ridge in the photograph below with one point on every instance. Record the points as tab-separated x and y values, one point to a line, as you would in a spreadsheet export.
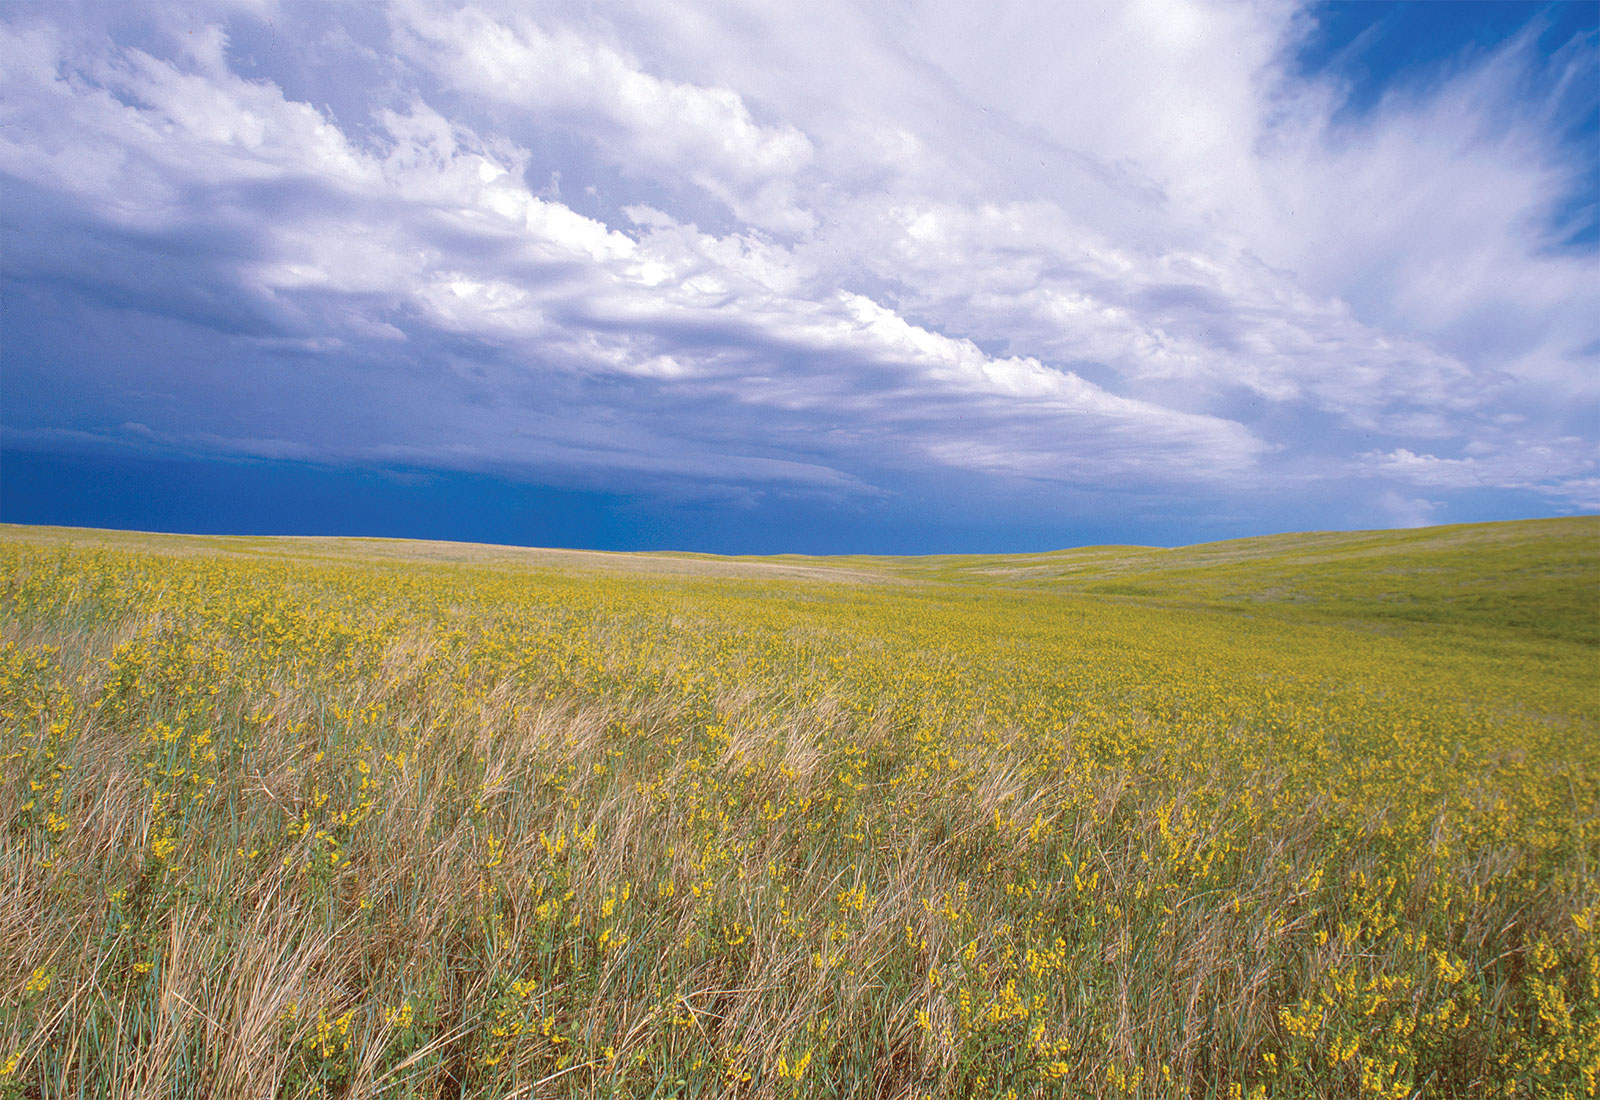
1541	577
1537	578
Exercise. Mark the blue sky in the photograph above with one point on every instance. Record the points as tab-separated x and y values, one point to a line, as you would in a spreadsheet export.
823	277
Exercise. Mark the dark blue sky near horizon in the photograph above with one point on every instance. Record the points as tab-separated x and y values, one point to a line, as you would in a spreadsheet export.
825	279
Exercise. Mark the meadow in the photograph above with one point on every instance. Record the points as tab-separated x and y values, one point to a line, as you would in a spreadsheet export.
1310	816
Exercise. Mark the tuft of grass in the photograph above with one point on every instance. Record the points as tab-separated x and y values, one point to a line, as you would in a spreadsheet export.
315	818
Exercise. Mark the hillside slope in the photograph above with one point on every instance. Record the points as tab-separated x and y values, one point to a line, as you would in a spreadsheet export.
1537	577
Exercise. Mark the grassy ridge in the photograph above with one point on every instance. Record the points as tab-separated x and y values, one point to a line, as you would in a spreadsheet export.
356	817
1536	577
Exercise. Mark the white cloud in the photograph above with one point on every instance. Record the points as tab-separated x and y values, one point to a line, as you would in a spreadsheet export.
1080	244
1564	468
1407	511
705	133
624	305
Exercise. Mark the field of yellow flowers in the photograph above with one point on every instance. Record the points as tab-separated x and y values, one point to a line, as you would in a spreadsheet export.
319	818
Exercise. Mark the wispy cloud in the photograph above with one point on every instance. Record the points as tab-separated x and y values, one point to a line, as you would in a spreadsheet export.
1039	245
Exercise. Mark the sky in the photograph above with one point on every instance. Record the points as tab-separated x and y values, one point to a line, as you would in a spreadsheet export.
841	276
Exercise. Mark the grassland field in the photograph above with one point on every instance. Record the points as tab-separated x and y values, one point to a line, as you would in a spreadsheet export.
1306	816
